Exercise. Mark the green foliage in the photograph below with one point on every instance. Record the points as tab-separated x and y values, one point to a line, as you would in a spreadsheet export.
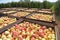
57	8
27	5
53	7
47	5
44	4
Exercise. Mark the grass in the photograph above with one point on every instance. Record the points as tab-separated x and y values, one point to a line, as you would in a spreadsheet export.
58	20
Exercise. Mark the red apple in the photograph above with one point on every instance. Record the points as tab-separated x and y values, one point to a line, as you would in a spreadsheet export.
41	31
17	26
36	32
44	27
41	34
22	28
39	17
33	38
15	33
13	39
35	35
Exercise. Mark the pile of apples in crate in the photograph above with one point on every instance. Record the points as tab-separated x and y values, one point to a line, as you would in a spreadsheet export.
8	12
20	14
28	31
45	10
31	10
4	21
42	16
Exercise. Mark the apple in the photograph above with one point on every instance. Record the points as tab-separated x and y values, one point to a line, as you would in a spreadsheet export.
24	36
4	21
0	39
43	17
21	32
41	34
41	30
17	26
44	27
35	35
33	38
43	39
15	34
20	37
20	14
50	29
36	32
6	32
